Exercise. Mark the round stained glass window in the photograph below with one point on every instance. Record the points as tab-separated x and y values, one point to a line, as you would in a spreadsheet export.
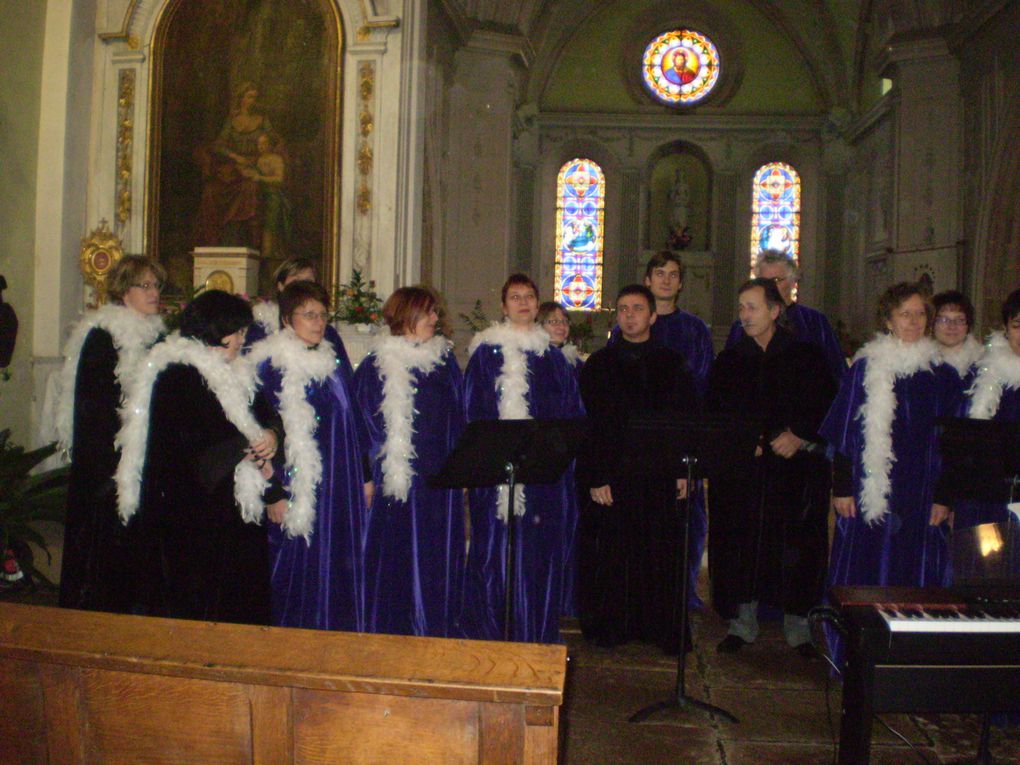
681	67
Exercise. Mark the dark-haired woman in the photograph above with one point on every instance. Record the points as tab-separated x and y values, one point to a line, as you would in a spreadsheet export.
889	531
192	450
515	373
411	388
316	532
266	313
101	355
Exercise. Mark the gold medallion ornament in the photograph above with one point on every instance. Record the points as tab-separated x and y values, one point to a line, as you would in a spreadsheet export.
219	280
99	251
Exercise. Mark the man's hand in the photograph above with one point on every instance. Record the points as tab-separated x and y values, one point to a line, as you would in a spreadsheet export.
845	506
602	495
681	488
786	444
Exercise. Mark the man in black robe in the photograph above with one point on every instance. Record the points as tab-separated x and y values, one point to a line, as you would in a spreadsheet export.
769	507
630	532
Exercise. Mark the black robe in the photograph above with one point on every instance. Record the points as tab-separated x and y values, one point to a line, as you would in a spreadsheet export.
98	571
628	553
203	561
768	539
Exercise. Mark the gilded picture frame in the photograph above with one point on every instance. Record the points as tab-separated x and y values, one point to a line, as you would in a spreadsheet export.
244	133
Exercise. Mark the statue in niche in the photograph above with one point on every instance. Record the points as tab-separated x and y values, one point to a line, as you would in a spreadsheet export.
679	200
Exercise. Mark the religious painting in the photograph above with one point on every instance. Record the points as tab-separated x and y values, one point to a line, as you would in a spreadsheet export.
580	217
680	67
245	133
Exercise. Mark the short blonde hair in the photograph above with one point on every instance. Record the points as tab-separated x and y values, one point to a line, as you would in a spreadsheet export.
127	271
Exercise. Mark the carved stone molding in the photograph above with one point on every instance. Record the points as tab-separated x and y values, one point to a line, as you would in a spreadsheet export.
125	145
366	120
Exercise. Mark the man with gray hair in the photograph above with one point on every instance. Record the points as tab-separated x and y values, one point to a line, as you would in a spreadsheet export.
807	324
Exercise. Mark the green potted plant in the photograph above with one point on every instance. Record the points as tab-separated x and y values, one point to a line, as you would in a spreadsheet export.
357	303
27	499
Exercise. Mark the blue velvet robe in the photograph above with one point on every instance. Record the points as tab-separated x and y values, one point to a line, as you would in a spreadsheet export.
540	532
415	550
319	584
811	326
687	334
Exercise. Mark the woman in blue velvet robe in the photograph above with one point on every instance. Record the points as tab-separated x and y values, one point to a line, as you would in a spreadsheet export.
267	313
316	534
995	395
882	428
411	389
514	373
954	318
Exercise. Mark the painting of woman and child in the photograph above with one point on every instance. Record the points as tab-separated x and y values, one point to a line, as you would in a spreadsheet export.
246	107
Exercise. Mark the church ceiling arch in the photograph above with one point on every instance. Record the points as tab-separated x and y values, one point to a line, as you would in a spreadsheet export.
820	31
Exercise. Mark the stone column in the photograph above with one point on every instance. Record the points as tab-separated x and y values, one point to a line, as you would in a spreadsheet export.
482	102
928	183
631	251
731	250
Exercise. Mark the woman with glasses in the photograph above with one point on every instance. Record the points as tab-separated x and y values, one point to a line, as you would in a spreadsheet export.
101	356
889	531
552	317
411	390
316	531
515	373
954	317
193	451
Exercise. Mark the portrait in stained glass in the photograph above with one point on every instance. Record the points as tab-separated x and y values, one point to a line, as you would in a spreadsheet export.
775	211
580	213
680	67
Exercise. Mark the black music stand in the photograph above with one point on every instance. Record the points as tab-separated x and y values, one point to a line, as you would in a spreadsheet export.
987	450
680	444
509	452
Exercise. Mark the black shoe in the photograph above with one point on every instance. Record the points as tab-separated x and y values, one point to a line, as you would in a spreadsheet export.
731	644
807	651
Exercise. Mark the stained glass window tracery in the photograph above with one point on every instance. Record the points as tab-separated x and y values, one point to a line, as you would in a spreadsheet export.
580	215
680	67
775	211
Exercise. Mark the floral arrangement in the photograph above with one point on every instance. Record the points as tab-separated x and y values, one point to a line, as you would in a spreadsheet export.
356	302
476	320
171	304
590	329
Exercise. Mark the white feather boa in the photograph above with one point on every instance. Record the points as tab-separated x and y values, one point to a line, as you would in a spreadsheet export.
887	360
998	370
397	359
132	334
964	357
512	385
227	383
267	313
299	366
572	354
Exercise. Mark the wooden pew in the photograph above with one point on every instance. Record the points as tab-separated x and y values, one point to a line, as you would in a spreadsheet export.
81	687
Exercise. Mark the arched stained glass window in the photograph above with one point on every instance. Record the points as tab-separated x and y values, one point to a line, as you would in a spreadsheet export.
680	67
775	211
580	214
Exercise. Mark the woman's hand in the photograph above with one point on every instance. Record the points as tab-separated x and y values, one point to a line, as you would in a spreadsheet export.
602	495
845	506
277	510
264	447
369	489
681	488
786	444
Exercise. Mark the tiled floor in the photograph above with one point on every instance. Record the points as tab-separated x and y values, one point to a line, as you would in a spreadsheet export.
779	698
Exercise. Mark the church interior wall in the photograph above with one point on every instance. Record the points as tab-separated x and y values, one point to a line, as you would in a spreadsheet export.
21	57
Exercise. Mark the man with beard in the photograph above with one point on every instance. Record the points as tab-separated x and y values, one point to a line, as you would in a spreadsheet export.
770	507
629	534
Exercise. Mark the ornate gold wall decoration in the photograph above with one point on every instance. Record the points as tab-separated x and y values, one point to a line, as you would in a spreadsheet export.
125	142
366	90
99	251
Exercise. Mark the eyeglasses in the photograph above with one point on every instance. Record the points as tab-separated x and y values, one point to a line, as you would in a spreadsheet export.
146	286
313	315
556	322
951	321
